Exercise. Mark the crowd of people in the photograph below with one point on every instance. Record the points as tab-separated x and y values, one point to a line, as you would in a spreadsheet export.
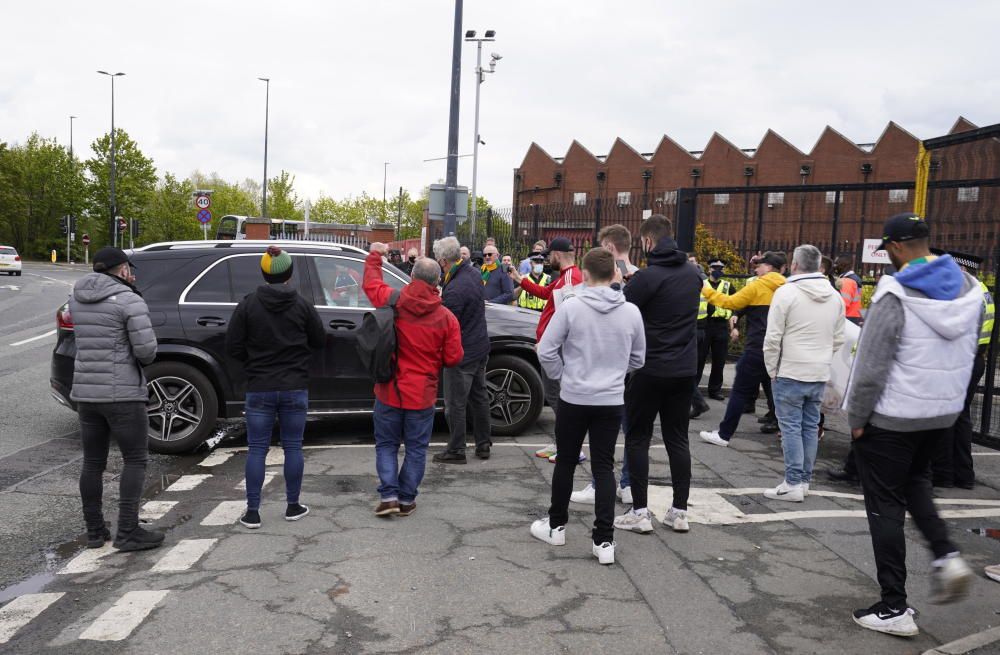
618	347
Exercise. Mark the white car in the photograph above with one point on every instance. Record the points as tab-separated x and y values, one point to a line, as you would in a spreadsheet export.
10	261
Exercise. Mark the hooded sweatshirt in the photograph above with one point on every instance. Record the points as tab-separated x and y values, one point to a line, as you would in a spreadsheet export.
916	351
274	332
585	343
805	327
113	336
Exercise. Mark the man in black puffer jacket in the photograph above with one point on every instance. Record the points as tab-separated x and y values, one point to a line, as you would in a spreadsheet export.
465	384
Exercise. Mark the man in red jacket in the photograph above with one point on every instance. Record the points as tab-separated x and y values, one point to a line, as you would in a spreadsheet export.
428	337
562	259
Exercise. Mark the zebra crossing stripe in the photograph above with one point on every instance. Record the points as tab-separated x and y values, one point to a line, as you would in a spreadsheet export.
88	561
188	482
124	616
184	555
268	476
156	509
225	513
19	612
216	458
275	457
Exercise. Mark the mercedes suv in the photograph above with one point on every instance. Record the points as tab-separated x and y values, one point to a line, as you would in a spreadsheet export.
193	287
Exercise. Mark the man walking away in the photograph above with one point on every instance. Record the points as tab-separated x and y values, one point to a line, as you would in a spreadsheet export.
583	347
497	286
524	267
428	338
562	258
717	330
465	384
805	327
666	293
850	288
275	333
755	298
907	387
113	339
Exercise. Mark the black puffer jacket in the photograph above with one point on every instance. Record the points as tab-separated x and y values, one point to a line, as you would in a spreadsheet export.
667	293
463	296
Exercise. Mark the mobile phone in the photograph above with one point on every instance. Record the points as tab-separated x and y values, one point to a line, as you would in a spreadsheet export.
622	267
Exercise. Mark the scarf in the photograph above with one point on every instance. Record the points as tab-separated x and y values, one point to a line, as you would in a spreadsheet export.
451	272
485	271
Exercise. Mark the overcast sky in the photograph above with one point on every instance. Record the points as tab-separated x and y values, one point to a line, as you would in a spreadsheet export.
356	83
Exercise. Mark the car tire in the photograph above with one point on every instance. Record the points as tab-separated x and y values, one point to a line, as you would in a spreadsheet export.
17	273
516	394
183	407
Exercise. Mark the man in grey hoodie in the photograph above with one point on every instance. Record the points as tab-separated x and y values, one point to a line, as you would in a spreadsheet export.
113	339
907	387
583	348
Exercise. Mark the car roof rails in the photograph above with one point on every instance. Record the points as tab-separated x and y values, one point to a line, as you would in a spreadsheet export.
248	243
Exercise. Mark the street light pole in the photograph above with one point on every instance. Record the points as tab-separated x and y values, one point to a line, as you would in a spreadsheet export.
71	137
72	163
267	110
451	180
480	78
114	204
385	176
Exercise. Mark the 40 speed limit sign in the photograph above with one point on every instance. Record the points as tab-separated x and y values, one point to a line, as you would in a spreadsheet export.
203	202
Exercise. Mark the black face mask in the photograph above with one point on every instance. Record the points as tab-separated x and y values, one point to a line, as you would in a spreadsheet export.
412	259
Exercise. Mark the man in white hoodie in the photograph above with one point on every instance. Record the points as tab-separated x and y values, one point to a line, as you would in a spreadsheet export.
583	347
805	327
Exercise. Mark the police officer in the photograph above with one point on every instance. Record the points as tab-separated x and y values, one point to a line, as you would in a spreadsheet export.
716	330
537	275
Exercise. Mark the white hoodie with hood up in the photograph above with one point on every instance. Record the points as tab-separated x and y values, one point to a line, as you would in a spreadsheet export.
805	327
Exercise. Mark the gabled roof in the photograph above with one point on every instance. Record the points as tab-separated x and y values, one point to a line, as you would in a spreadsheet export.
667	146
773	137
576	146
831	135
717	141
536	150
963	124
890	129
622	149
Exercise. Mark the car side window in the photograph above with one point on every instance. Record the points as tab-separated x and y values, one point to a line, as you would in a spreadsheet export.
341	278
213	286
246	275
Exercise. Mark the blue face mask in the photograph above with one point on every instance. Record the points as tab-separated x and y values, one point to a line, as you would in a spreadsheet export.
537	268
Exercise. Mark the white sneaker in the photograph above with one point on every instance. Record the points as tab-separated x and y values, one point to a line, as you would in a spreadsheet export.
677	519
585	496
805	489
713	438
540	529
793	493
605	553
882	618
546	452
636	522
625	494
950	579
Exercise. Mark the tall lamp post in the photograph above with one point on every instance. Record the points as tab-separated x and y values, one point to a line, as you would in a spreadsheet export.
72	163
451	177
480	78
267	109
114	204
385	176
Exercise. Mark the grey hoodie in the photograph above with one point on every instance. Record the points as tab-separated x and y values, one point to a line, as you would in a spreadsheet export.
585	346
113	335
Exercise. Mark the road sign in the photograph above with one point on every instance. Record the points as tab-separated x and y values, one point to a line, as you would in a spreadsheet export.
203	202
205	216
85	240
870	254
122	224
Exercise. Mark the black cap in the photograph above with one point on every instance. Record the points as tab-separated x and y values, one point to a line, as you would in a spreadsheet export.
971	262
904	227
559	244
775	259
109	257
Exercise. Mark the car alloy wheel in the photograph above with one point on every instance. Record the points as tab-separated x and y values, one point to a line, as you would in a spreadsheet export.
510	395
175	408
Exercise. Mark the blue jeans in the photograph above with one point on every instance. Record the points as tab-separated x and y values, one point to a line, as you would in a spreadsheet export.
394	426
797	406
261	409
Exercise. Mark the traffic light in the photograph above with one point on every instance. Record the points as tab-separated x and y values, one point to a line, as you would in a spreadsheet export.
72	224
135	228
64	224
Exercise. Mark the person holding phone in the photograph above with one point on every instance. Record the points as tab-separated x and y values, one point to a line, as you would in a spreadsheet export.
498	287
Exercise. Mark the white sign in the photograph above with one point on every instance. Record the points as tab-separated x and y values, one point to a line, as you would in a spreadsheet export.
646	213
203	202
871	255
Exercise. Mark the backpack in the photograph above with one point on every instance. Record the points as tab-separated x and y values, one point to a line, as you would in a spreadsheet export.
376	341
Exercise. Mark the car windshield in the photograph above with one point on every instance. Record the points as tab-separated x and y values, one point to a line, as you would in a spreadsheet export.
7	251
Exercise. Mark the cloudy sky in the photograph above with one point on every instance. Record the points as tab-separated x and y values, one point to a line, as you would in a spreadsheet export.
359	82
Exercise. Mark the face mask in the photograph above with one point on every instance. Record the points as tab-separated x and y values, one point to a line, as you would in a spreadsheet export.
537	268
412	259
716	273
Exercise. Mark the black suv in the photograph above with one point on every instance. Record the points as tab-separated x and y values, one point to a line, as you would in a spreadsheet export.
192	288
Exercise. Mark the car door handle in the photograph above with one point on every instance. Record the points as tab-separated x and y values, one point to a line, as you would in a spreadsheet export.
210	321
342	325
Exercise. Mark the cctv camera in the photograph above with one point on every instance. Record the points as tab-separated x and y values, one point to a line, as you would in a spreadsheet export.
496	57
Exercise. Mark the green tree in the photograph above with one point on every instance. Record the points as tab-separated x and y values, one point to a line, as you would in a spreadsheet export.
135	183
282	201
170	215
241	199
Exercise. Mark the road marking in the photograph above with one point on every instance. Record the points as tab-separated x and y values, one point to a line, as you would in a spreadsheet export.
51	279
275	457
12	287
975	454
217	457
88	561
268	476
225	513
40	336
156	509
184	555
19	612
188	482
966	644
124	616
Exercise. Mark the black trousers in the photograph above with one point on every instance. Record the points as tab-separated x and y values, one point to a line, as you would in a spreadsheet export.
646	397
953	460
715	346
126	425
895	478
464	393
573	422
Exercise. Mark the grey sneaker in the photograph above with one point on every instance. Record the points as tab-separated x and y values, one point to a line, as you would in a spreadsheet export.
677	519
636	522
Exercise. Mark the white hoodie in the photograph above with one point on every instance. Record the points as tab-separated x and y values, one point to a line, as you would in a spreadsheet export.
805	327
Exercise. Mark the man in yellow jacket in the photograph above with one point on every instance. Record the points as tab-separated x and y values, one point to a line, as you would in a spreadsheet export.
755	300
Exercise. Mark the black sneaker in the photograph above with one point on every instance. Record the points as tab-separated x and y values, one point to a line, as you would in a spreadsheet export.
449	458
96	537
716	395
698	410
771	427
138	539
251	519
840	475
766	418
483	453
882	618
295	512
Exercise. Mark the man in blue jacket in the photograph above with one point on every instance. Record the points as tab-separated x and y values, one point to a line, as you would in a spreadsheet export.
497	285
465	384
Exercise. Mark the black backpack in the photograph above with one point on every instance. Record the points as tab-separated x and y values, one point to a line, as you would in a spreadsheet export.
376	341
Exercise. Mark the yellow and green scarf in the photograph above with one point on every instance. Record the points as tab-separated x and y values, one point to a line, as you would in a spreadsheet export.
485	271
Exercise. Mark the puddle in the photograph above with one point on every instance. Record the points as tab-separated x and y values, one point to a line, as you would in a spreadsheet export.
992	533
38	582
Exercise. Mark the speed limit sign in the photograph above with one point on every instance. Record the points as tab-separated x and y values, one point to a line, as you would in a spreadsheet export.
203	202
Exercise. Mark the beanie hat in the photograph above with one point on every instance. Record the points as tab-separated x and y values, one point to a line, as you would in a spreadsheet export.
276	265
